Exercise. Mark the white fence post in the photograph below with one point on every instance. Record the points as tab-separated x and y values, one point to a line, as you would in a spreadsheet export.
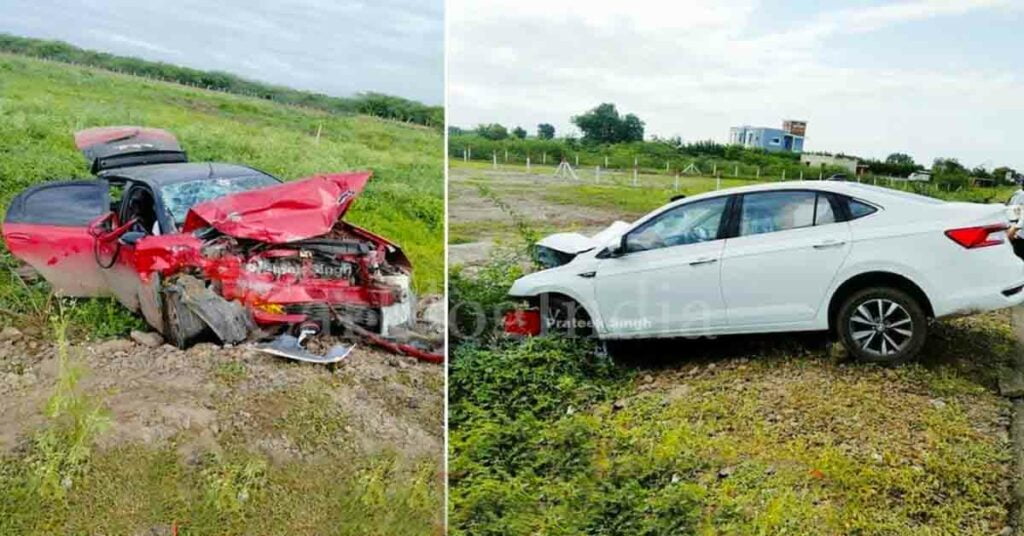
677	181
597	174
494	159
527	163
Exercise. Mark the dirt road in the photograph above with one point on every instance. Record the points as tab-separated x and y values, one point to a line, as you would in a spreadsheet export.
207	395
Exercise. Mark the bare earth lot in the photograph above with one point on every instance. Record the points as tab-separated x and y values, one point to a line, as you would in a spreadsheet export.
194	398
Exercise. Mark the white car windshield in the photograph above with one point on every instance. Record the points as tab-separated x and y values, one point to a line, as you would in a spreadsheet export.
179	197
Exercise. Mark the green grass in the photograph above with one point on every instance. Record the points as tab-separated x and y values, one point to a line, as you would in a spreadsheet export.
739	436
61	484
42	104
133	489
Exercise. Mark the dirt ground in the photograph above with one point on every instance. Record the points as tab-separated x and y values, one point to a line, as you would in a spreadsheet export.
207	394
468	207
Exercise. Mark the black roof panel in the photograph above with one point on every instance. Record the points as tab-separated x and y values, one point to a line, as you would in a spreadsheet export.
157	175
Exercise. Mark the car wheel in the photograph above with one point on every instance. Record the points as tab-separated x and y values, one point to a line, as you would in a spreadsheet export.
882	325
564	316
181	325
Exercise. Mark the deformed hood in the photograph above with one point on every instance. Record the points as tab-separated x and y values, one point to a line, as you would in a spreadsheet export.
283	213
575	243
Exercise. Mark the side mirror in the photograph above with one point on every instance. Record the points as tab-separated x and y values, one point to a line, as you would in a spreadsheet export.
130	238
612	252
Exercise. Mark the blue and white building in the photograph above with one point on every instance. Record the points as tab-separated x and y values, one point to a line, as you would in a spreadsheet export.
789	138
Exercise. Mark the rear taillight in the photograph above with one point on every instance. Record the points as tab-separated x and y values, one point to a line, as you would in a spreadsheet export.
978	237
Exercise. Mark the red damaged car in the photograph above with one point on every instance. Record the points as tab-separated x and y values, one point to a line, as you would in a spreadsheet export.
204	248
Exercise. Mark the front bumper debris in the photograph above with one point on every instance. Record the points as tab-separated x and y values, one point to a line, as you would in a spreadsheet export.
290	346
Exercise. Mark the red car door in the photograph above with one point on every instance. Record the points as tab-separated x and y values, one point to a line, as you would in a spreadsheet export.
48	227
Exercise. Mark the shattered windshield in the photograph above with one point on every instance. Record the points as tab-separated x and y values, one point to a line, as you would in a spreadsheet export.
181	196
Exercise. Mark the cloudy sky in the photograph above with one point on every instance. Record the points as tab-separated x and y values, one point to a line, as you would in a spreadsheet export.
335	47
928	77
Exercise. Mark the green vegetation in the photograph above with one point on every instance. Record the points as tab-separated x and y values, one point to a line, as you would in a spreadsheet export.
133	489
374	104
60	484
651	157
549	438
603	124
42	104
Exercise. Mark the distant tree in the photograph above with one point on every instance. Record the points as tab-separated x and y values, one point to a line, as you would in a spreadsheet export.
492	131
900	159
603	124
455	131
1000	173
948	165
950	172
632	129
519	132
545	131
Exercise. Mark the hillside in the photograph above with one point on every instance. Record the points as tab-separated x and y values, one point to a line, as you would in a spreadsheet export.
376	104
102	435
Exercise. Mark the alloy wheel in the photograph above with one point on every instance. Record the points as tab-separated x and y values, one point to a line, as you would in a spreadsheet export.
881	327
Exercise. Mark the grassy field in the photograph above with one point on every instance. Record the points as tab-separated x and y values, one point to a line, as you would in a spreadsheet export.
57	482
740	435
43	103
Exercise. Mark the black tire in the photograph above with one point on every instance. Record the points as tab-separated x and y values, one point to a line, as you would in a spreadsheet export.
882	325
181	325
563	316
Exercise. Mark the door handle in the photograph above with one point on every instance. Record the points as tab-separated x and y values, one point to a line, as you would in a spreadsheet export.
587	275
704	260
829	244
17	236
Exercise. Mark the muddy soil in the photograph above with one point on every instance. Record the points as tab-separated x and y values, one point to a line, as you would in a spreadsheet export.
198	398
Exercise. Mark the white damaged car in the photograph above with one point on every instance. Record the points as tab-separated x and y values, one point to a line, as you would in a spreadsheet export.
871	265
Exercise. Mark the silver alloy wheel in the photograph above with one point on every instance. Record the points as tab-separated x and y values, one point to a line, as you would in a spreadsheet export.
881	327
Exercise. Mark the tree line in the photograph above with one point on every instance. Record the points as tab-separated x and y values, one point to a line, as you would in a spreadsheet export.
369	103
602	124
607	132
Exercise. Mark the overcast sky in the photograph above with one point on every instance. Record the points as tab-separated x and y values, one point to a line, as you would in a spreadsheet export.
335	47
931	78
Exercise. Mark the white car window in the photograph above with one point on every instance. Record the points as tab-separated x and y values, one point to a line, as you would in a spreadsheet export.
685	224
823	213
1017	198
769	212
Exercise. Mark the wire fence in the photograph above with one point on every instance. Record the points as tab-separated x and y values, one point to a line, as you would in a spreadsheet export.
679	174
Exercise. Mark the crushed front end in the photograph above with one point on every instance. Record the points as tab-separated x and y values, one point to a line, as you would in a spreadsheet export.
297	268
